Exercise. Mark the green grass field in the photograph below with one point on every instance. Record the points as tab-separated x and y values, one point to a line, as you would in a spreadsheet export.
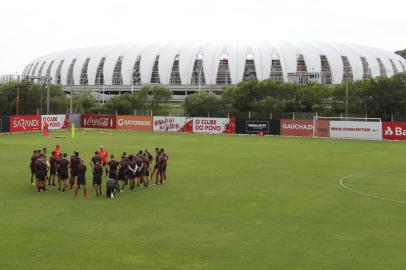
231	202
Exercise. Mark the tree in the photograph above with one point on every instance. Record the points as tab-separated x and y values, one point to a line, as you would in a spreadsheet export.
204	104
121	104
32	98
84	102
160	97
243	96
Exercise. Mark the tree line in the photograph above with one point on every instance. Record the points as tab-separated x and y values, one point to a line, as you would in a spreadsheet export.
378	97
33	100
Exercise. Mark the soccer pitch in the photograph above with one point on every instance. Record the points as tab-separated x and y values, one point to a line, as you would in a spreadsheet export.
231	202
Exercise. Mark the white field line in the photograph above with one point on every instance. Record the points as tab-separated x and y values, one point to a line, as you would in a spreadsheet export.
342	182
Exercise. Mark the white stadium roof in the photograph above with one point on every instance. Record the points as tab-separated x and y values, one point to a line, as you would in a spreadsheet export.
172	63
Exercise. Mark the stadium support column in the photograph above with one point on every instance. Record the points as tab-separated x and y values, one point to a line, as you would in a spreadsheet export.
103	92
346	97
132	83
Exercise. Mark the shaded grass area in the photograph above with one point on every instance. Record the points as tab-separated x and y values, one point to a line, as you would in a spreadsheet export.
231	202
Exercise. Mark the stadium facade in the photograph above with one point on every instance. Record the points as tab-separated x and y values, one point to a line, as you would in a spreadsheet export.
187	67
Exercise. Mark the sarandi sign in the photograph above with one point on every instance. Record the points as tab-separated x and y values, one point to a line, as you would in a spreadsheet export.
25	123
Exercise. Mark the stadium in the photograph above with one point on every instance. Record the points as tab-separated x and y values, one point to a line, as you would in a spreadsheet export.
187	67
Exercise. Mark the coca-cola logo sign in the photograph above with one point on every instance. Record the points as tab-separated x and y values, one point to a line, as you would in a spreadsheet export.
98	121
101	122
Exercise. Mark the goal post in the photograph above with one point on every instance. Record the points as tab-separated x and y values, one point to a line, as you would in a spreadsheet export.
347	127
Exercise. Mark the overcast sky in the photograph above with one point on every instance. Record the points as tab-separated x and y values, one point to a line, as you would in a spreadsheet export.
29	29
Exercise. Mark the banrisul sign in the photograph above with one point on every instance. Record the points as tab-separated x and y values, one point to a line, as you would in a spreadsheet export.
394	131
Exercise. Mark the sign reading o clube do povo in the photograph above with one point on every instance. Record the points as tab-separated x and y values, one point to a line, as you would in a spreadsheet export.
57	121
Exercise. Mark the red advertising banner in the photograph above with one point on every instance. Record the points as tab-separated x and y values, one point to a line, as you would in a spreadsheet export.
300	128
25	123
128	122
394	131
98	121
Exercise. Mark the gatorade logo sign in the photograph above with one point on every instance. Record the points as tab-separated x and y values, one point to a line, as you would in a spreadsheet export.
394	131
128	122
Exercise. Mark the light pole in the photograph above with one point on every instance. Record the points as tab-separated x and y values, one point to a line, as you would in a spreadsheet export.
18	94
132	83
346	94
103	92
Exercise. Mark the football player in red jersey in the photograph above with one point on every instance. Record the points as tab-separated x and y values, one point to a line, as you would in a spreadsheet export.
104	155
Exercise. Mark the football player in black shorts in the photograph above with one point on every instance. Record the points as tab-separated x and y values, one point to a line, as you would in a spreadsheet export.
74	163
44	154
110	186
32	166
162	163
40	173
123	172
63	171
150	159
97	177
145	169
52	168
81	178
95	159
113	171
132	169
139	172
155	171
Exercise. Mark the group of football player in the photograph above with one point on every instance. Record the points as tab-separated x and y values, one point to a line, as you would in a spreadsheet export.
132	171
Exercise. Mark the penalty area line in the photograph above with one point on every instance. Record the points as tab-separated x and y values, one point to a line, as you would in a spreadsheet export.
342	182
